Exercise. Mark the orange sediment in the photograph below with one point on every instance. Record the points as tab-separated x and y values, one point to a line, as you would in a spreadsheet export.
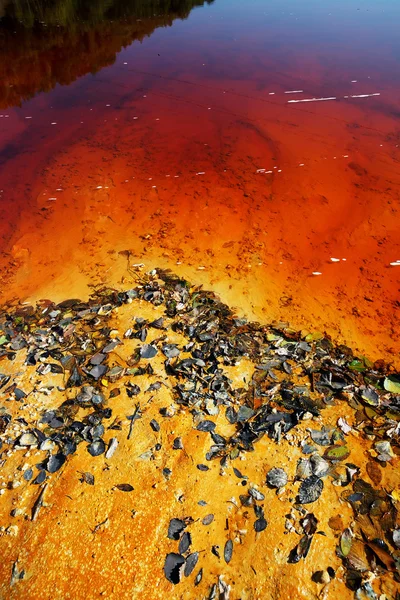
194	151
179	187
117	540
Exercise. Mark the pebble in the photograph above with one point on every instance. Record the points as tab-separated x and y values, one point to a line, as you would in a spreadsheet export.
321	577
27	439
12	530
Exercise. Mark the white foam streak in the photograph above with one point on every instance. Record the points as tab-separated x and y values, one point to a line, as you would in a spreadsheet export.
365	95
312	100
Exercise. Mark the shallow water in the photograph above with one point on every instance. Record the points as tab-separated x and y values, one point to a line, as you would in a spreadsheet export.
242	144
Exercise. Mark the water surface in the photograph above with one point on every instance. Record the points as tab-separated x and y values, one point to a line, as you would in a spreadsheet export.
243	144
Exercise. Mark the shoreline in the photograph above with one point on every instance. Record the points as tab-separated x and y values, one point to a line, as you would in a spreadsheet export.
155	371
229	286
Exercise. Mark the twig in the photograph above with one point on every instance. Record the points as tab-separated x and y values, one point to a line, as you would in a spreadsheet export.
39	503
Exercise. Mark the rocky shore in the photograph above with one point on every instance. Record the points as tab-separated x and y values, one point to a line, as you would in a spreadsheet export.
155	444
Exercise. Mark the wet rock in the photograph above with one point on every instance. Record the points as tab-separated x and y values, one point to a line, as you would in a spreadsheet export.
191	563
96	448
28	474
148	351
256	494
154	425
320	467
277	478
245	413
177	444
206	426
185	542
173	567
55	462
304	468
98	371
228	551
260	524
113	445
198	577
310	489
27	439
124	487
175	528
40	477
170	351
321	577
396	537
208	519
384	450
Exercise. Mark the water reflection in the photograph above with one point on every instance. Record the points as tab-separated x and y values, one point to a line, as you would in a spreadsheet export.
252	147
45	43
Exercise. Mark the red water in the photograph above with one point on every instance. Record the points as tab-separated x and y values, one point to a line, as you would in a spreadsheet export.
160	153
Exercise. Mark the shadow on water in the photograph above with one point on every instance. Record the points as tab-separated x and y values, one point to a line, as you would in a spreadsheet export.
46	43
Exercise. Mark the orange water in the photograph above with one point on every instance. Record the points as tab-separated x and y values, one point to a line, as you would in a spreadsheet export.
157	153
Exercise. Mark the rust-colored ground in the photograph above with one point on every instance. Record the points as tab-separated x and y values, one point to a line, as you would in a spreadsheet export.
154	160
97	541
